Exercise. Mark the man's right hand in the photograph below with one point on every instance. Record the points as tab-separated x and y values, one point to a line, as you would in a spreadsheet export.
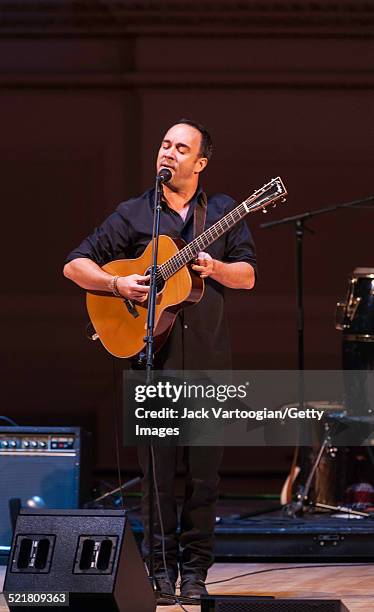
133	287
88	274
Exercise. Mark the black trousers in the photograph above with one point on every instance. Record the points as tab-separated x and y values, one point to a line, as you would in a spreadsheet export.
194	546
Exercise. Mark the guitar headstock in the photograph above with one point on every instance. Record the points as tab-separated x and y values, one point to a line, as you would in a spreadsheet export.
270	194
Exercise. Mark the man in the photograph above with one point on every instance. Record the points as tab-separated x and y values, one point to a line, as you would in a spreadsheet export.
199	338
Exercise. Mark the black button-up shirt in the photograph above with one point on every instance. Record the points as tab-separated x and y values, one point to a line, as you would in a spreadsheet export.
199	339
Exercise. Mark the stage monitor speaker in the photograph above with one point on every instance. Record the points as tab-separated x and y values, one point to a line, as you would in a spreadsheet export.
237	603
90	554
43	467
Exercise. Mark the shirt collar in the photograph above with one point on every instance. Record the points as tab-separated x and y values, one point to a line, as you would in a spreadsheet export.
198	197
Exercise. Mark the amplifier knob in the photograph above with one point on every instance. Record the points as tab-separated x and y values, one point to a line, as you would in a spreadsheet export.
5	444
26	444
34	444
13	444
42	444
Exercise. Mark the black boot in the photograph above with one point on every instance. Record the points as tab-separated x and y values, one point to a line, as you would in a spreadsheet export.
193	584
165	587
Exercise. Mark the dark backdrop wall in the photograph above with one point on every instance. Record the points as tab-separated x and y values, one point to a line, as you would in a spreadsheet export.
86	93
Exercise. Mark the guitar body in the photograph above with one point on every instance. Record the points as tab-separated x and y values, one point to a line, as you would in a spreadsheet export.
122	333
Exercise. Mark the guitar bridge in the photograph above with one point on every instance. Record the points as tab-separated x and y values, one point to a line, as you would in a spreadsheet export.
131	307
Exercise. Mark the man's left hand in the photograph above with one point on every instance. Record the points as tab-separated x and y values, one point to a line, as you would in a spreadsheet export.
204	264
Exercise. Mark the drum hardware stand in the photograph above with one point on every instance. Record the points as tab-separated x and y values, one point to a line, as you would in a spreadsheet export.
301	503
298	222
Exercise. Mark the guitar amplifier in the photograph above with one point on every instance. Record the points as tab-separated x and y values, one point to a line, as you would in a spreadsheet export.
43	467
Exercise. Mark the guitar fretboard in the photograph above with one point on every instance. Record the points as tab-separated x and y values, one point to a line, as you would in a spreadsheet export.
190	251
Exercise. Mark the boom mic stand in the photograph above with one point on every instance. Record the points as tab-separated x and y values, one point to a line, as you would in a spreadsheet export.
163	177
298	222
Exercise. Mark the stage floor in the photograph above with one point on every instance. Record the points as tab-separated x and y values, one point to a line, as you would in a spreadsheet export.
354	585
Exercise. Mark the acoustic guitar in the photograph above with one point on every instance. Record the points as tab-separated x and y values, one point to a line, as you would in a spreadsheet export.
121	324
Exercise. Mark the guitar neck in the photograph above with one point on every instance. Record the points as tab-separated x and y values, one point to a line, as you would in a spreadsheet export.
201	242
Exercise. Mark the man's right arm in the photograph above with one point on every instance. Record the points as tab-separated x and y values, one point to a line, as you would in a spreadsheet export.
88	275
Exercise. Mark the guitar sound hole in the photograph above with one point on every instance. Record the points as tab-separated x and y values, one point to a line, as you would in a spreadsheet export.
160	281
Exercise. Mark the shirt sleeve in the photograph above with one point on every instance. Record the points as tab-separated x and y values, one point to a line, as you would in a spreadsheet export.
239	244
107	242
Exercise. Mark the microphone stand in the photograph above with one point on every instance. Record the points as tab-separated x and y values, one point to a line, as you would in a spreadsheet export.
149	357
298	222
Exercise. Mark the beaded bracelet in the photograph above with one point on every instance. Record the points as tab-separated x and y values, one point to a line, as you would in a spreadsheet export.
113	286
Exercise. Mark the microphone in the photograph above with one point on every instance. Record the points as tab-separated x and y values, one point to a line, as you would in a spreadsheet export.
164	175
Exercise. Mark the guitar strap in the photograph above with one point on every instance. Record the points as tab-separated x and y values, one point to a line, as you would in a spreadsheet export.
199	215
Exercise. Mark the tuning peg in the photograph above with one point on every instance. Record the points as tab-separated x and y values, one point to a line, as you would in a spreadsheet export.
264	210
274	205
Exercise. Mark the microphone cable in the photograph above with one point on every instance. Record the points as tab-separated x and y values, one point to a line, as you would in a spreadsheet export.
116	432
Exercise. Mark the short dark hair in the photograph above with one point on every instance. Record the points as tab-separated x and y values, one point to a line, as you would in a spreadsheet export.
206	148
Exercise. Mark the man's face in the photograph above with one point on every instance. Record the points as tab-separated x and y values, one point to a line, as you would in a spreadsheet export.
180	151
